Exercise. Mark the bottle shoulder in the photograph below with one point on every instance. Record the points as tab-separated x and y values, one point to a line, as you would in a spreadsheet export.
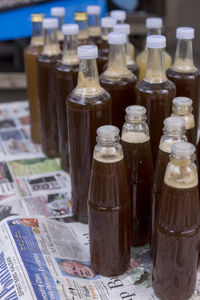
118	81
82	100
48	59
151	88
33	50
66	68
172	74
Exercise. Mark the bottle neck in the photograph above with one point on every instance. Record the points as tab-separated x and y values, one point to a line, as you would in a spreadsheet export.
108	150
83	30
105	32
70	56
51	45
129	60
88	80
171	135
155	72
183	61
186	115
181	172
60	23
152	31
117	62
94	25
37	34
135	130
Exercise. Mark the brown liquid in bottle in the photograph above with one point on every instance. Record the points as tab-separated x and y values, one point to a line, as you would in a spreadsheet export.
137	153
119	82
174	131
176	247
47	92
66	80
183	72
103	56
109	216
187	85
30	56
88	107
155	93
66	74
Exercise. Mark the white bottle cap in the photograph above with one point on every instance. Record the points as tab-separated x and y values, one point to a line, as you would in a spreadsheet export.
57	11
152	23
116	38
108	131
108	22
119	15
70	29
122	28
138	110
156	41
186	33
93	9
174	122
183	148
50	23
87	52
182	101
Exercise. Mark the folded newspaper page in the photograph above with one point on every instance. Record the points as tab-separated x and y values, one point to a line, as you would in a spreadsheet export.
44	254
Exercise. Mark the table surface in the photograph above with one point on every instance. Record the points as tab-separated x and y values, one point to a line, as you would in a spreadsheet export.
29	178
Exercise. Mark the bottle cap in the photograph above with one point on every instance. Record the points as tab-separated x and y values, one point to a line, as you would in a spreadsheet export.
156	41
87	52
122	28
154	23
119	15
185	33
108	131
174	122
108	22
136	110
182	101
93	9
183	148
57	11
116	38
80	16
50	23
37	17
70	29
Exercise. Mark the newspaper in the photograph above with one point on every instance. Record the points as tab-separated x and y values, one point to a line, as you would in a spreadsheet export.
41	258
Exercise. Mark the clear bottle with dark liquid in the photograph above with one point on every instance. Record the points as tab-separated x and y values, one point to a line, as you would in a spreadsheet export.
153	26
174	131
30	57
66	75
119	15
88	107
81	20
117	79
136	145
129	48
109	206
182	107
176	247
184	73
47	90
155	92
107	24
93	13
